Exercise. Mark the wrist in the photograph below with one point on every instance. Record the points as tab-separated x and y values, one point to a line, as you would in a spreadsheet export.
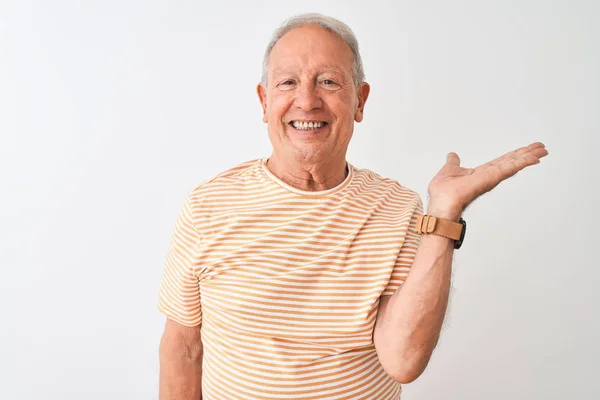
450	213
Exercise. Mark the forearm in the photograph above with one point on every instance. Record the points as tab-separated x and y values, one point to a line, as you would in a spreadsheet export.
180	373
407	332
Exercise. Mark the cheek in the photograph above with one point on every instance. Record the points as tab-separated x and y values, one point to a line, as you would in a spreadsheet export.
344	107
277	107
344	114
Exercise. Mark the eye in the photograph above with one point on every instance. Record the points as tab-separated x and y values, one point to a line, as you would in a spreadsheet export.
329	83
287	82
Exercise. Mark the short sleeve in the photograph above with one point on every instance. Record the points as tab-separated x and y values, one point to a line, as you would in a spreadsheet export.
408	251
179	295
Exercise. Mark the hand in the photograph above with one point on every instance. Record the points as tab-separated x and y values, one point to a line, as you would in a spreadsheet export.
455	187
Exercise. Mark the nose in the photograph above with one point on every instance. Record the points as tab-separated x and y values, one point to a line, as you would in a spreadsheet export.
308	97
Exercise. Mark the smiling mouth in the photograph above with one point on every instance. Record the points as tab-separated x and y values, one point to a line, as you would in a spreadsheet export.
308	125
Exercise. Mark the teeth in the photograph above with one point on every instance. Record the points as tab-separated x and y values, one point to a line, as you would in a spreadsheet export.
307	125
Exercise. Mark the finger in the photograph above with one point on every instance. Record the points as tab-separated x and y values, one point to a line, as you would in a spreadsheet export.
536	149
508	167
510	163
452	159
518	153
529	155
540	152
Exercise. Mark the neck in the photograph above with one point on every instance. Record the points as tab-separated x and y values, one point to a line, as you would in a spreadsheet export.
309	177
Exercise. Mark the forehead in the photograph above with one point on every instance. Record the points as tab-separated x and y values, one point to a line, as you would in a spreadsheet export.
310	47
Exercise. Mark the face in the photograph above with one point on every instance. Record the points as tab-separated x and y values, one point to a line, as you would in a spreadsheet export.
311	100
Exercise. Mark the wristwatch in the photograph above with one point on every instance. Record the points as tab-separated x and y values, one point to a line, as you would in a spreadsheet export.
428	224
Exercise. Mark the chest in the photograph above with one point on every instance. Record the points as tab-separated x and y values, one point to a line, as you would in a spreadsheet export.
287	271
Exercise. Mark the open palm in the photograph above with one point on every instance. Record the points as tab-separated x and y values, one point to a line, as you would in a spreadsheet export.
457	187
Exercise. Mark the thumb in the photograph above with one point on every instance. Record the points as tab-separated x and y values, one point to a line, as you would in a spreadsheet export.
452	159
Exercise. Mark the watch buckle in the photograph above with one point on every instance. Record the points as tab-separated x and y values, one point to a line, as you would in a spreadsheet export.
426	224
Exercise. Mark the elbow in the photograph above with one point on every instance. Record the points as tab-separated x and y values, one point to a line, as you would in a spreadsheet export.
406	375
405	369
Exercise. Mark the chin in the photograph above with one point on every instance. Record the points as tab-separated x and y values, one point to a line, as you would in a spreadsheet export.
309	155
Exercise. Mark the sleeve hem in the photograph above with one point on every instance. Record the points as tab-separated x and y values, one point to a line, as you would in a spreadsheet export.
185	322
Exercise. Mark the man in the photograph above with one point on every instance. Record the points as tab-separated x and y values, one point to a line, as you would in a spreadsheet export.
282	273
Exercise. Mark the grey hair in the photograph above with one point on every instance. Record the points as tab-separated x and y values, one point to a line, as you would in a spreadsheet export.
332	25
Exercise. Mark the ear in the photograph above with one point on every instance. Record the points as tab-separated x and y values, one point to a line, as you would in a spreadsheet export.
362	93
262	97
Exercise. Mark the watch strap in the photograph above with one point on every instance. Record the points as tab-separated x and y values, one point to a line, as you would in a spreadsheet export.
428	224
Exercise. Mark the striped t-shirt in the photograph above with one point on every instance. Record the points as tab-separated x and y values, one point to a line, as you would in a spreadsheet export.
286	283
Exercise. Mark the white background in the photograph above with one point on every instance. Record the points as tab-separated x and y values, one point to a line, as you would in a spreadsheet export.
111	111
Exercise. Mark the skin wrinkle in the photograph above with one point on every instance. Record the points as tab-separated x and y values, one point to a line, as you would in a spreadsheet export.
311	71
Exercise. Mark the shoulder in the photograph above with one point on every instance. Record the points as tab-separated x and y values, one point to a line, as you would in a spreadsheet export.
224	185
372	182
229	175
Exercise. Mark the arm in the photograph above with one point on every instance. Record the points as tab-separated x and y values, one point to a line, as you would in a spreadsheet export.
409	322
180	356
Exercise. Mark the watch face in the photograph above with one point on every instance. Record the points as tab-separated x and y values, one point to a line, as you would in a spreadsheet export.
459	242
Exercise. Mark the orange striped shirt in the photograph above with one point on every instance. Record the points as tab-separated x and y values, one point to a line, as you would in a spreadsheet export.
286	283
